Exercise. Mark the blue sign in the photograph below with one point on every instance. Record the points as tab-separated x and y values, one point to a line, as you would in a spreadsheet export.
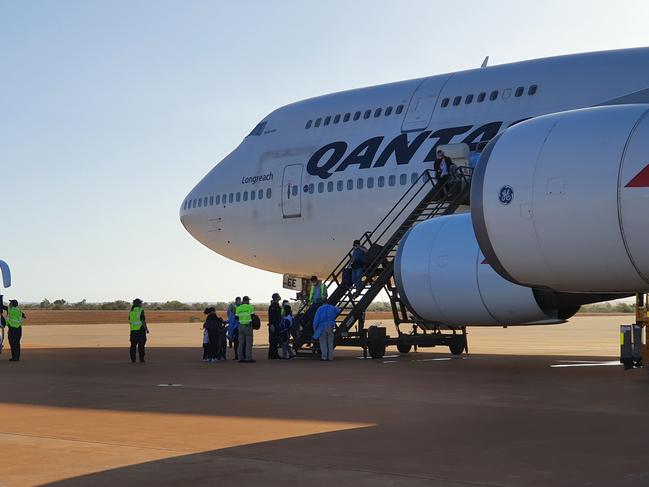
506	195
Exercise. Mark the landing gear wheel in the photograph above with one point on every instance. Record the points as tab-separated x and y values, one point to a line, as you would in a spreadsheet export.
376	349
404	347
457	347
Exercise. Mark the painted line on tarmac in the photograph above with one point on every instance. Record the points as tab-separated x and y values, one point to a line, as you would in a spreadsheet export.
170	385
589	363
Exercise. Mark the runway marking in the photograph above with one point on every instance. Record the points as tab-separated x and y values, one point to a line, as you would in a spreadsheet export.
441	359
585	363
170	385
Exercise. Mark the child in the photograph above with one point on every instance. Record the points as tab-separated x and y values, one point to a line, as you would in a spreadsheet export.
285	327
206	343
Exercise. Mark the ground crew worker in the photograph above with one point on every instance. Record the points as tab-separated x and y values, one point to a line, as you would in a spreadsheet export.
323	329
317	296
15	317
244	315
139	330
274	322
318	292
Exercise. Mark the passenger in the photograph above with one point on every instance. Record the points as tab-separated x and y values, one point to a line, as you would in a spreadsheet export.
211	325
222	341
15	317
274	322
244	315
358	264
206	344
285	331
233	326
323	329
139	330
443	168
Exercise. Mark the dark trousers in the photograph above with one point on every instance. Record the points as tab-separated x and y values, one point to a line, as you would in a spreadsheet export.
273	343
223	345
213	346
205	347
138	341
15	334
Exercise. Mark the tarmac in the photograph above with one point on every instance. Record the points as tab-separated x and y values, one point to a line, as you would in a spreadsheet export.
84	415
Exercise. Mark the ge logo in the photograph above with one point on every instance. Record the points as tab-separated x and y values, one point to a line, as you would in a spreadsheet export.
506	195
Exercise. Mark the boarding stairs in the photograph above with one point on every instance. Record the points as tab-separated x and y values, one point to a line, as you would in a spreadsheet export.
424	199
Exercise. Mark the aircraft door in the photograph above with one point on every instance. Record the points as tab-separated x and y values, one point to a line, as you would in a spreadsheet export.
423	102
291	191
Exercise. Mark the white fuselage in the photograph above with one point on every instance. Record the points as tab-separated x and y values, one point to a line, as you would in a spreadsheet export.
313	205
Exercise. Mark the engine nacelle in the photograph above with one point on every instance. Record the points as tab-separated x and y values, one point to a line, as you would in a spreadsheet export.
443	277
561	201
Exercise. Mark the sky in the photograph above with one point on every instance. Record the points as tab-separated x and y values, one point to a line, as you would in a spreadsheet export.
111	111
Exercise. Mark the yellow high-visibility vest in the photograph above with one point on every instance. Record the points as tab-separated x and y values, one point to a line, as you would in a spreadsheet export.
134	319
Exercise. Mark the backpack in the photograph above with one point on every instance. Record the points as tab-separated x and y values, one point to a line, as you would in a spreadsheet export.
256	322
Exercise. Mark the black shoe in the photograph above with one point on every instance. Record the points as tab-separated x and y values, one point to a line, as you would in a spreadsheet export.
242	361
251	361
14	360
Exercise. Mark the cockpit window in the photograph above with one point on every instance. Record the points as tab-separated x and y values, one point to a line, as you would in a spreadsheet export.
259	129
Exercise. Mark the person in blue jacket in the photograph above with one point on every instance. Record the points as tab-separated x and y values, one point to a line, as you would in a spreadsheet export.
323	329
233	326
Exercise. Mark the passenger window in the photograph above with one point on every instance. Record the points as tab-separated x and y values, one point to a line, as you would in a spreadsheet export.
347	117
469	99
359	183
269	193
194	203
308	124
370	183
253	195
481	97
200	202
238	196
340	185
377	113
211	200
507	92
330	186
311	188
388	111
320	187
399	110
260	194
357	115
337	119
294	190
519	91
327	120
318	122
205	201
445	102
367	114
532	90
184	205
457	100
494	95
403	179
231	197
245	196
413	177
392	180
350	184
217	199
224	199
380	181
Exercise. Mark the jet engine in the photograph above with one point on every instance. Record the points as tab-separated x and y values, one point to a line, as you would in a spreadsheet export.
561	201
443	277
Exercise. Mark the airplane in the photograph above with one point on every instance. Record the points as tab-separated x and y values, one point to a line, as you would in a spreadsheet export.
558	197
